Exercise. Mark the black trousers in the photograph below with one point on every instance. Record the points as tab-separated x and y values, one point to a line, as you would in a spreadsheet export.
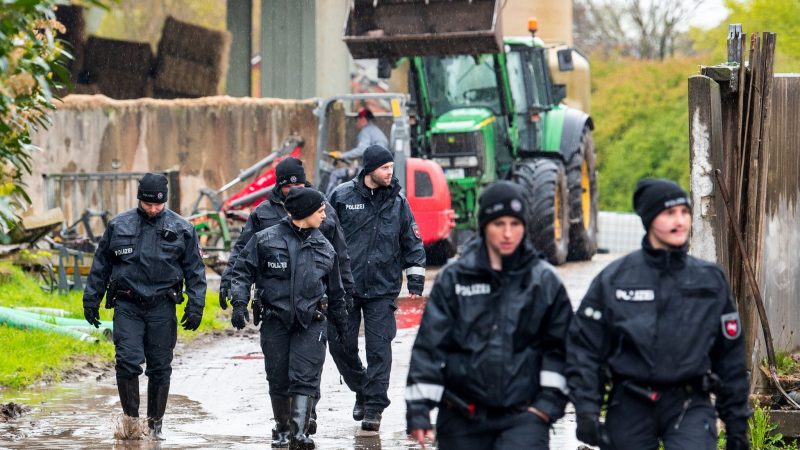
145	334
380	329
683	420
519	430
293	357
345	355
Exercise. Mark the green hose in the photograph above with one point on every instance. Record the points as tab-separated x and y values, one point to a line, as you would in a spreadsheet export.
14	319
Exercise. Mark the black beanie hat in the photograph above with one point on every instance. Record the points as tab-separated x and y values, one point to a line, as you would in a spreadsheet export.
502	198
290	170
376	156
654	195
152	188
302	202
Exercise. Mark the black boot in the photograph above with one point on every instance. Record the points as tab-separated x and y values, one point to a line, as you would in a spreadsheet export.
129	395
282	412
358	408
312	420
301	412
372	421
156	405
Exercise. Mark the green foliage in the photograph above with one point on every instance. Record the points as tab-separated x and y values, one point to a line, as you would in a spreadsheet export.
762	432
641	112
31	67
779	16
29	356
785	363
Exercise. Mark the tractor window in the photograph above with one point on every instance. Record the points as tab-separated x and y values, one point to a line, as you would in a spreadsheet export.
538	67
423	186
516	77
461	81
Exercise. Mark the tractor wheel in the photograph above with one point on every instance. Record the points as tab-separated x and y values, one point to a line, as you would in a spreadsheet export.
582	183
545	184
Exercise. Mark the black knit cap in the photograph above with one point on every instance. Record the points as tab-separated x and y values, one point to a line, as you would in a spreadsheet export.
376	156
502	198
654	195
290	170
302	202
152	188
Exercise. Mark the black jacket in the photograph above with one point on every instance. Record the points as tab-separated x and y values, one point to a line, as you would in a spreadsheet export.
149	256
658	317
382	238
495	339
292	275
269	213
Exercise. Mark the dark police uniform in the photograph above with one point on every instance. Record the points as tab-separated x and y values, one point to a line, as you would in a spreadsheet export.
662	323
292	270
141	264
491	344
382	240
269	213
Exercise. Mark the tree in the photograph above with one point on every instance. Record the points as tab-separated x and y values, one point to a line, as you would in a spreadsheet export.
645	29
31	68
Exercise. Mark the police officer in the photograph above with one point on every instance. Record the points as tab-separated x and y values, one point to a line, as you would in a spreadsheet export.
382	239
141	263
490	349
661	327
293	266
289	173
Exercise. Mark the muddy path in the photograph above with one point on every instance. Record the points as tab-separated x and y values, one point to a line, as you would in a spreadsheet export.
218	397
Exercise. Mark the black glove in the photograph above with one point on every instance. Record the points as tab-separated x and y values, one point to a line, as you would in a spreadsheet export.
589	430
191	320
240	316
224	296
415	284
92	315
736	436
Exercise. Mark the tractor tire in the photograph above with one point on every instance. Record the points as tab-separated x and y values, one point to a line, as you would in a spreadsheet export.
545	184
582	184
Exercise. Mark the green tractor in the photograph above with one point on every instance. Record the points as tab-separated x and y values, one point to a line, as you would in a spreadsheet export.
486	109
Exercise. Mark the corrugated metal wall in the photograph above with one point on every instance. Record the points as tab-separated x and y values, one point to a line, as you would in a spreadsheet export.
288	48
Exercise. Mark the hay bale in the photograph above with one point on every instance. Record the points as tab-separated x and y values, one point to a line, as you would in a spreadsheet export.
86	89
121	85
71	16
185	77
194	42
192	60
133	57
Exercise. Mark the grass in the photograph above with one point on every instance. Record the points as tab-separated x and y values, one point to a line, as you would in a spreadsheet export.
31	356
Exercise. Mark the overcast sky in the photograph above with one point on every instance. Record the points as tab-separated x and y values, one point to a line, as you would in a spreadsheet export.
710	14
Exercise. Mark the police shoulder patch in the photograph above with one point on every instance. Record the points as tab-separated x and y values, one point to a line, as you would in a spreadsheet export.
415	227
731	325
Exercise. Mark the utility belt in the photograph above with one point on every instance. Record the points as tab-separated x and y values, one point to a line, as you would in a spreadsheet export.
652	392
120	292
474	411
264	312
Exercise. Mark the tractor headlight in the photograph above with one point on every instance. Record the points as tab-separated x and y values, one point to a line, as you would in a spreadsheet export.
465	161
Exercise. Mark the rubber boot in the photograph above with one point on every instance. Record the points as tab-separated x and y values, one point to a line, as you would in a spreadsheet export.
358	407
129	395
312	420
301	413
282	412
156	405
372	421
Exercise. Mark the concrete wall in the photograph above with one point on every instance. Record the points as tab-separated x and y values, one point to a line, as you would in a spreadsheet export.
208	140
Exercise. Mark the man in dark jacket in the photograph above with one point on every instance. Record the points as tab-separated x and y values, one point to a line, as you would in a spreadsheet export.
141	263
289	173
383	239
491	345
659	326
293	266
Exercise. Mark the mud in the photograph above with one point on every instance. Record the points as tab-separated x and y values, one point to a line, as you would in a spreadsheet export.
218	396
